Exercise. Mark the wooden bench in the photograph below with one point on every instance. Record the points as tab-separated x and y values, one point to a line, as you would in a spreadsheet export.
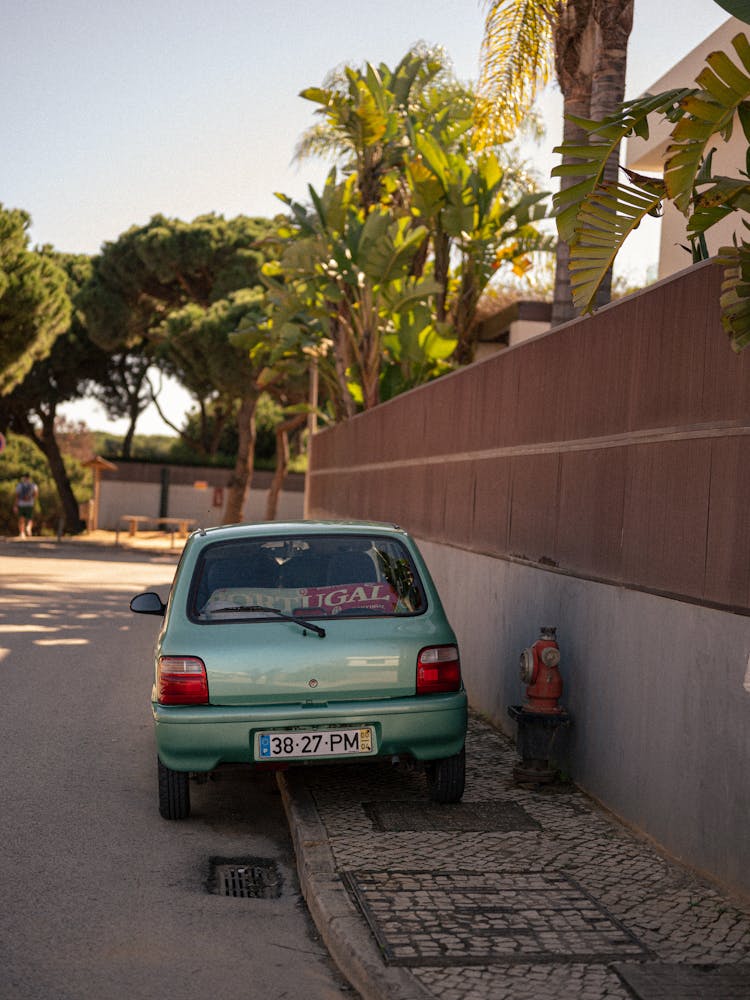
181	524
174	525
133	520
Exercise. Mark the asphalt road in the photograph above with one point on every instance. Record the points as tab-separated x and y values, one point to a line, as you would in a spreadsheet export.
100	897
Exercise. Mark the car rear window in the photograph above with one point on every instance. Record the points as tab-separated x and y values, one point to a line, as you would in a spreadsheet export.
310	577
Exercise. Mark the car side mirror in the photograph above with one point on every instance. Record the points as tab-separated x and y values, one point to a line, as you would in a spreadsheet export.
148	604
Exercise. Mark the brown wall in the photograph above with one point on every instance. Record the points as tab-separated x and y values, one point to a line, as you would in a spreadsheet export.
615	448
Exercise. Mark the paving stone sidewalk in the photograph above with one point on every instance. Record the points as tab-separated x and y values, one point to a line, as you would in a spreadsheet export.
516	893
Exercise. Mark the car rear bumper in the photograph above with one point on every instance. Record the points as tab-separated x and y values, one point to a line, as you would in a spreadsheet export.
202	737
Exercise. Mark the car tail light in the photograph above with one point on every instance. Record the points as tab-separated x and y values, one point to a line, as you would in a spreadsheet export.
182	681
438	669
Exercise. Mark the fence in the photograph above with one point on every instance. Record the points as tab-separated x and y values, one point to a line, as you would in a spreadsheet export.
595	478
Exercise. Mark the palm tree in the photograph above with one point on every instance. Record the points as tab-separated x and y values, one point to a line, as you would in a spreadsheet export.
363	118
597	216
585	41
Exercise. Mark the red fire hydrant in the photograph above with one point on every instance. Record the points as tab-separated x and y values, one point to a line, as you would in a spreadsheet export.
540	717
540	672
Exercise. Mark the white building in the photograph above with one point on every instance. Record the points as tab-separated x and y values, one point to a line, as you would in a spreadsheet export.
647	155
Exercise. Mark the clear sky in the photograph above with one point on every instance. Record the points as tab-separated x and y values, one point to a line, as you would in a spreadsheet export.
114	111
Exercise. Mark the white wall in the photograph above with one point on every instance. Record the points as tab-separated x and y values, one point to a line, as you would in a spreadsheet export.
119	498
659	693
647	155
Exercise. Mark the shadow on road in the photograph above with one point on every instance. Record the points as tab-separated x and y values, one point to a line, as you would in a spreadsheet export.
50	549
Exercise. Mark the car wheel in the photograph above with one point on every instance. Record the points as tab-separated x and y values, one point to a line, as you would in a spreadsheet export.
446	778
174	792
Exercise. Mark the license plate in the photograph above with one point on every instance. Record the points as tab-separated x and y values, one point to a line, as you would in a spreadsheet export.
317	743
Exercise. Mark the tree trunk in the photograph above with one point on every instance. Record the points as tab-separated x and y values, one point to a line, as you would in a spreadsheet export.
127	441
239	482
614	22
134	403
282	462
51	449
370	370
442	247
365	324
46	442
574	63
341	363
464	317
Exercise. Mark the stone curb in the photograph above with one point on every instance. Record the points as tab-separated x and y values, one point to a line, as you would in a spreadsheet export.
339	923
105	541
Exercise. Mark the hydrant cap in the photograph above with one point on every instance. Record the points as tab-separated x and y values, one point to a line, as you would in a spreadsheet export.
551	656
548	632
527	666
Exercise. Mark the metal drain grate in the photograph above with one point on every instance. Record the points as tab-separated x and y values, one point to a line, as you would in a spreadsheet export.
245	878
455	918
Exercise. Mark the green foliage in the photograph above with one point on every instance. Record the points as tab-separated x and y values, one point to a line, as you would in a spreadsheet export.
723	90
167	264
69	368
604	137
145	447
385	268
517	59
34	305
737	8
735	294
30	408
366	114
482	217
267	415
194	342
417	350
181	289
596	218
169	450
20	456
351	270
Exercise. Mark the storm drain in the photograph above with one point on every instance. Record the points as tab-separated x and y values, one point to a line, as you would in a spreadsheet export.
428	918
495	816
245	878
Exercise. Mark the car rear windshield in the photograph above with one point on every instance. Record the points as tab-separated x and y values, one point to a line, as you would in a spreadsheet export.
318	576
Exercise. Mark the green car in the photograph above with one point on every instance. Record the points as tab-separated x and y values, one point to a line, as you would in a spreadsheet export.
304	642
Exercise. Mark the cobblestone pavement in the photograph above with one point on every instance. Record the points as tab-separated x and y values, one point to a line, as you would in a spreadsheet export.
516	893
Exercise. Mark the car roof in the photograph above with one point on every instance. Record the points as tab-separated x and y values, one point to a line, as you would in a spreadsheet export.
268	529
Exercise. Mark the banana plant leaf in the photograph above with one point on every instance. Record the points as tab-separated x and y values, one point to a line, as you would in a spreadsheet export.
709	111
735	294
738	8
605	219
605	136
725	195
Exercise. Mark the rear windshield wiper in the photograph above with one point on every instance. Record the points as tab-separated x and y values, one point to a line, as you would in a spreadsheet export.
255	608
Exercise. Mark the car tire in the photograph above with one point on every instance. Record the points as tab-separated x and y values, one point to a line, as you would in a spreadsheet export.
174	792
446	778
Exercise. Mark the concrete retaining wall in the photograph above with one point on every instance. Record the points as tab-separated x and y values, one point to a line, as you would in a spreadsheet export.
658	690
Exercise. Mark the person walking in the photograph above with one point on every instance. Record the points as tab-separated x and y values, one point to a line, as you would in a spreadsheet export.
26	493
